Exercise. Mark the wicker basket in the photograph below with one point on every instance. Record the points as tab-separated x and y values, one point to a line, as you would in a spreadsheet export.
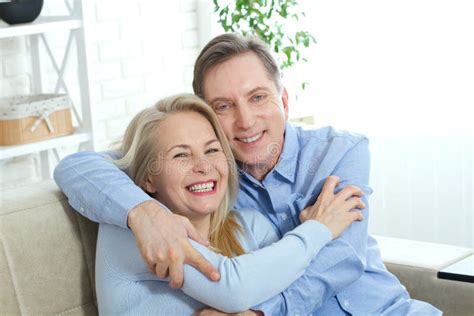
30	118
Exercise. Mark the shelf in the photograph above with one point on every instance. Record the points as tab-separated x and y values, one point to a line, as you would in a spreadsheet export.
39	26
61	57
17	150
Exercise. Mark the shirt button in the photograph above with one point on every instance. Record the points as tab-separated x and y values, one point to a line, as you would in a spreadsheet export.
81	209
284	216
346	303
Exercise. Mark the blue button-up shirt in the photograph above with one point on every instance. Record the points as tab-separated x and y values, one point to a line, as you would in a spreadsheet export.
347	276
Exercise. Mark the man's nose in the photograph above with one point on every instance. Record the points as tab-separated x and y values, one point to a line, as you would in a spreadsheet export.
245	118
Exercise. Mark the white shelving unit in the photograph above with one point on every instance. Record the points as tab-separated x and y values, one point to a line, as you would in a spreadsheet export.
36	33
40	26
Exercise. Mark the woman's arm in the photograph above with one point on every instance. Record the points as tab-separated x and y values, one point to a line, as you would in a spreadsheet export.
245	280
252	278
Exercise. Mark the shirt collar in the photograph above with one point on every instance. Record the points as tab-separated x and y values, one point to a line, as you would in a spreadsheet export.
286	165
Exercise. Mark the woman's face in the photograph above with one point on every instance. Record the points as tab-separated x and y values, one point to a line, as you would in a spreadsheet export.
191	172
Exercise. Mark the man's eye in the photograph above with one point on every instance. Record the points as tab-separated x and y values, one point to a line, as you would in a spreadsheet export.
258	97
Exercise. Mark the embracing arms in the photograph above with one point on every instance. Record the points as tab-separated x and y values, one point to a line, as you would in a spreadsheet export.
92	183
100	191
252	278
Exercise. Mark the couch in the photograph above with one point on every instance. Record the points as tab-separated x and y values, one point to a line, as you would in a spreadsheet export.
47	259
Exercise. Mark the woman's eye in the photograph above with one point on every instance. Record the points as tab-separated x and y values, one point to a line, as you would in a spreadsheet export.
222	107
180	155
212	150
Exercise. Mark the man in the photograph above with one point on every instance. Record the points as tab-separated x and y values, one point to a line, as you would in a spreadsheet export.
282	171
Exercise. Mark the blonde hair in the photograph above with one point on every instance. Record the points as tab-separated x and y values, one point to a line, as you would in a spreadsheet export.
138	156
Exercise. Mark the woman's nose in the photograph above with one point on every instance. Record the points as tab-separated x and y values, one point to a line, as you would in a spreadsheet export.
202	165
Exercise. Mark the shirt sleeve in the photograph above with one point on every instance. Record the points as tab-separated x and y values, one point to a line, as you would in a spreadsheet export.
339	263
97	188
254	277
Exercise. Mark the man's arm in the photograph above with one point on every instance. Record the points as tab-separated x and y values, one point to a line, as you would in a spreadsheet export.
102	192
98	189
343	260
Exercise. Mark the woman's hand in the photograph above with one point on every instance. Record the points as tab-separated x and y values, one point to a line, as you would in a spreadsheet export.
334	210
215	312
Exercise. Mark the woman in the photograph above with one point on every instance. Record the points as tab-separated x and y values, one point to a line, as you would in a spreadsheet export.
177	152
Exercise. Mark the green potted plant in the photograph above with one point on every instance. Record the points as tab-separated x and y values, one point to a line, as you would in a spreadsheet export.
273	22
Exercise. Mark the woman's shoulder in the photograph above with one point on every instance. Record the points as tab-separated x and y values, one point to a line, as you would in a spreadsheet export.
257	230
117	252
251	219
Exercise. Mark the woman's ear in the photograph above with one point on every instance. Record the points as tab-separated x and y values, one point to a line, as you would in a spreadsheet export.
148	185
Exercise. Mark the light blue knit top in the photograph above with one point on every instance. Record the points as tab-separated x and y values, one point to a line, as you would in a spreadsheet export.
125	287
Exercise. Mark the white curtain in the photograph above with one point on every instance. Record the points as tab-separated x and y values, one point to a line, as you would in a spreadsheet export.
401	72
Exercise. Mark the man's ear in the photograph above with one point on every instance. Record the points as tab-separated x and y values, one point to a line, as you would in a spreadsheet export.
284	99
148	186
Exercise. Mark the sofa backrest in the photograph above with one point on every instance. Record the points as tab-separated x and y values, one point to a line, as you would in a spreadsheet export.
47	254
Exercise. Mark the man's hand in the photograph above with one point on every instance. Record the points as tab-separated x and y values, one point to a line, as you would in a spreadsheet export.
215	312
162	238
335	210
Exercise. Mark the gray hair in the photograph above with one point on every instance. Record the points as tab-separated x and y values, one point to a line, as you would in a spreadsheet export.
225	46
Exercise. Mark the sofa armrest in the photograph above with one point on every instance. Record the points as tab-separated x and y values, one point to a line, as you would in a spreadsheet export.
416	264
47	254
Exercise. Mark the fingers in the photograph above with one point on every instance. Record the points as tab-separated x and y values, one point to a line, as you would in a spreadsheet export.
176	273
304	215
329	186
207	311
356	216
161	267
195	259
150	262
349	191
354	202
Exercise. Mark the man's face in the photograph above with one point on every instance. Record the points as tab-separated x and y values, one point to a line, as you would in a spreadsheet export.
250	109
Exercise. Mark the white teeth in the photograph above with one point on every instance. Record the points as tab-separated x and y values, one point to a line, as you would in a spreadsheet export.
203	187
250	139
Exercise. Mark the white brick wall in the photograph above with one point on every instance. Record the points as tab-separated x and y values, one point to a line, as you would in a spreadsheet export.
139	52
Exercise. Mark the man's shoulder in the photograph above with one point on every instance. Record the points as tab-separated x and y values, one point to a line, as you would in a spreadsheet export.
327	134
312	136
